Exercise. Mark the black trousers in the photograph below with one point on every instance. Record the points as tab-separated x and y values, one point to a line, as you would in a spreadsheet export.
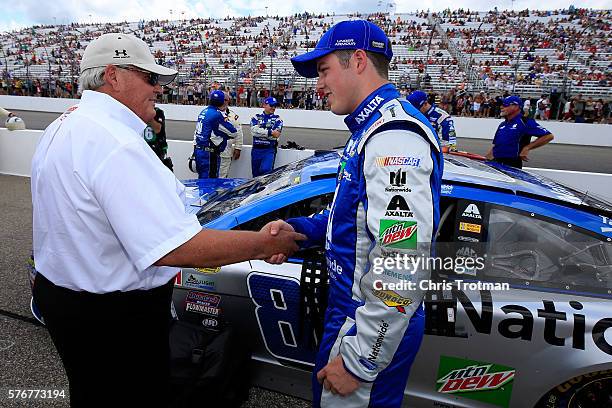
114	346
513	162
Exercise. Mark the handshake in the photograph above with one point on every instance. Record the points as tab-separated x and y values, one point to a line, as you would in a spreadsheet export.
281	241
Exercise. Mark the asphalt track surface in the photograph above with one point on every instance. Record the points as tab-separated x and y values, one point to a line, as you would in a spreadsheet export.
552	156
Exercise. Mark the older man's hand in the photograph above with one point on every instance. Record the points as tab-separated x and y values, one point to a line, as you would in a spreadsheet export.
285	237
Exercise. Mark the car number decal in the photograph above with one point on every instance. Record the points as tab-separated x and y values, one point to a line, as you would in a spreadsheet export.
277	300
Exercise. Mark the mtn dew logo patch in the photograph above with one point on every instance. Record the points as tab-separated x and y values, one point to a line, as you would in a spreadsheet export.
398	234
486	382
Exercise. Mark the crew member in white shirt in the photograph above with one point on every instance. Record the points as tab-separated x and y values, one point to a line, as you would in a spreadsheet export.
110	229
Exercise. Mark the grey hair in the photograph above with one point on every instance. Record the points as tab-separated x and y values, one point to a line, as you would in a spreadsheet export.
91	79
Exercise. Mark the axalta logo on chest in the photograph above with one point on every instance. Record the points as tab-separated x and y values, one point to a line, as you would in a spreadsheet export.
369	108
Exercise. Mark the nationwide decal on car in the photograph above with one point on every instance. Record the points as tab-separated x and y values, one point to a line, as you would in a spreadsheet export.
466	226
209	270
476	380
199	281
204	303
392	299
398	234
398	161
520	325
398	207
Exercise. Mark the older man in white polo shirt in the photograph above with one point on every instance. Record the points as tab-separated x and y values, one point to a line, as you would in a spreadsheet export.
109	224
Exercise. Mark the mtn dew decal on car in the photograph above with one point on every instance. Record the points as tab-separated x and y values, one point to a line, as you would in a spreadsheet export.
398	234
477	380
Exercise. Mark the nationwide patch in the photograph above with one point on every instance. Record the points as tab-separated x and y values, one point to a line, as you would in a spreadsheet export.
466	226
476	380
398	234
398	161
392	299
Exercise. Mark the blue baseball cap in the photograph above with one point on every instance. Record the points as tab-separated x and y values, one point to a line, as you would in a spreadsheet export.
513	100
270	100
346	35
216	98
417	99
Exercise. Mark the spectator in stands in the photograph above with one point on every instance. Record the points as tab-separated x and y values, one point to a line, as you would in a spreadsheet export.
211	136
266	129
155	136
512	142
234	146
541	106
567	110
440	120
578	110
527	108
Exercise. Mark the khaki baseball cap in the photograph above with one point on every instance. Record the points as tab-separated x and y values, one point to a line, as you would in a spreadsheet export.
124	49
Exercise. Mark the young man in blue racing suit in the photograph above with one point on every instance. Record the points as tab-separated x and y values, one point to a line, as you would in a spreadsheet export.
210	137
440	119
386	203
266	128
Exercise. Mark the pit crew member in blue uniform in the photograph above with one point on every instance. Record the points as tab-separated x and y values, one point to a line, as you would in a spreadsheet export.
266	128
386	203
440	119
512	141
211	135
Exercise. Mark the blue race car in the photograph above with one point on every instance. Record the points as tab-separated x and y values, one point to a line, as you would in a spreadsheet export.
533	327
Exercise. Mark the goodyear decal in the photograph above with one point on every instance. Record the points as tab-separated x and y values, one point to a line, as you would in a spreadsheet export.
476	380
392	299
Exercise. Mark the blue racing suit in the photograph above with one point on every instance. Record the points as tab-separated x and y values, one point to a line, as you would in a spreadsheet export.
386	203
210	139
264	144
443	124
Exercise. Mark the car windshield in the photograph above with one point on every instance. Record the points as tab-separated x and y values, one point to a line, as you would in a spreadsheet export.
253	190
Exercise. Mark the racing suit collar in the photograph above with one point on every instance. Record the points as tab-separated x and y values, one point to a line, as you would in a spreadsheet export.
359	118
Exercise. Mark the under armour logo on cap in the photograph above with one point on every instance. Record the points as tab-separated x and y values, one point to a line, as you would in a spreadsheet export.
117	53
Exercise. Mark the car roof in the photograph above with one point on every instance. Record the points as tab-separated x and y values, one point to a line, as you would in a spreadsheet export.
463	170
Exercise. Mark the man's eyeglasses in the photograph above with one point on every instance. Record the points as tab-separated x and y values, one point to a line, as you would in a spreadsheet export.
152	78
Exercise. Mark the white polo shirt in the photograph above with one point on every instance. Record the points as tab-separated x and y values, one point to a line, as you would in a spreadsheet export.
104	206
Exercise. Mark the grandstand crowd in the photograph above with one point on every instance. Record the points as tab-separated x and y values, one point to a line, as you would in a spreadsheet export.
467	61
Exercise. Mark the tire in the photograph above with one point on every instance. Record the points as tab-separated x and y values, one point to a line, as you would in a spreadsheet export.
593	390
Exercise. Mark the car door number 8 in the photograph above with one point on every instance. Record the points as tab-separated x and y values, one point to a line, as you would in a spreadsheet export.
277	300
